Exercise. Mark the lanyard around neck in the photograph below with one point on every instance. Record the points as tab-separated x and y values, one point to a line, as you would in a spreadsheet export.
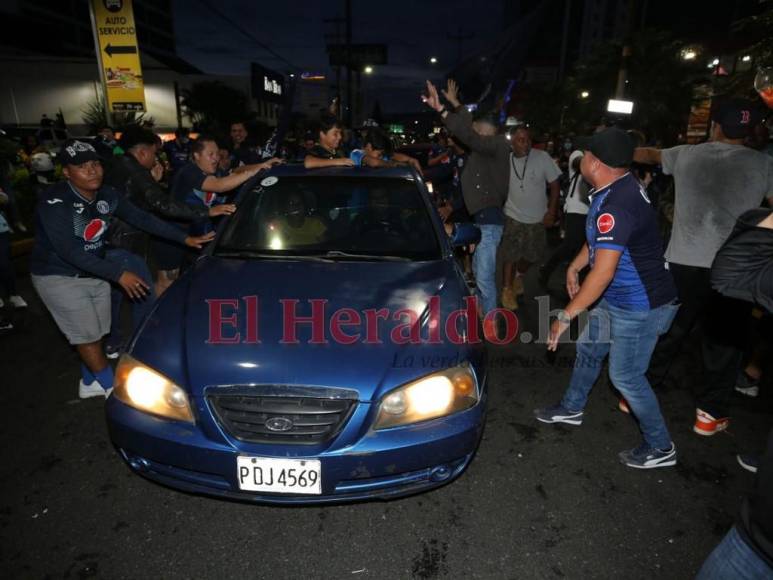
525	164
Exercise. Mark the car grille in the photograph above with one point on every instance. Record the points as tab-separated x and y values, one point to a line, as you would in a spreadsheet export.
313	420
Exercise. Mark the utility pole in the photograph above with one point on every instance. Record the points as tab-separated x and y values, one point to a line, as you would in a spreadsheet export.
349	63
622	73
460	37
564	39
335	39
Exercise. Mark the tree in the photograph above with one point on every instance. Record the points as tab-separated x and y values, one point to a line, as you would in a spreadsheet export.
94	116
660	83
212	106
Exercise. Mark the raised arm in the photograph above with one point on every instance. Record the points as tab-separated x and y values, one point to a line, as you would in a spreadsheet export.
647	155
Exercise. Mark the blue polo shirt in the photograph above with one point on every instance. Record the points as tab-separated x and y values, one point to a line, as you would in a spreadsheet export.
621	218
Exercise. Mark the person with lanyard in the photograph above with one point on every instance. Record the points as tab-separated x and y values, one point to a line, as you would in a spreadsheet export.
69	264
528	211
484	187
326	152
631	294
575	212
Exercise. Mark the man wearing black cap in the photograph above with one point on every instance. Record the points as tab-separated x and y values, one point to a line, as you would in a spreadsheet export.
632	295
68	263
715	182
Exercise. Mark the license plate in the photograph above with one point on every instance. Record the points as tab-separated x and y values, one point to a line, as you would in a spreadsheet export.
302	476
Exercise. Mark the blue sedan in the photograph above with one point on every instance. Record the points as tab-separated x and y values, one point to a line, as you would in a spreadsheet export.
324	348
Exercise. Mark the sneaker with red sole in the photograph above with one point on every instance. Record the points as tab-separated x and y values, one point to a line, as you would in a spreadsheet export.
707	425
490	329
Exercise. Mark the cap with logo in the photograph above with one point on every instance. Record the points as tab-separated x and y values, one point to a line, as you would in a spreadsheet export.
612	146
737	117
76	152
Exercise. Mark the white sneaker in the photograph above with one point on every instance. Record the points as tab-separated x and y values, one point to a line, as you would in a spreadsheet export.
93	390
5	325
17	301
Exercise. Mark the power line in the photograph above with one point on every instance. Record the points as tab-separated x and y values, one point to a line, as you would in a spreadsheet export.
248	34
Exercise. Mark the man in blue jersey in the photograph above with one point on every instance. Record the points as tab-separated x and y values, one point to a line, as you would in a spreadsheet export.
70	266
631	293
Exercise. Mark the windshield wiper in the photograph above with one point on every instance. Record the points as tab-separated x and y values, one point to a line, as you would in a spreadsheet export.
263	256
338	254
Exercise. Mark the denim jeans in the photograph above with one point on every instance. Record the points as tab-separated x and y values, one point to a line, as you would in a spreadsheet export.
140	308
629	337
484	265
734	558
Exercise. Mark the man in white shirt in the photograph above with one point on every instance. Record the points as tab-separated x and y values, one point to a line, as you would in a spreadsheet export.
528	211
715	182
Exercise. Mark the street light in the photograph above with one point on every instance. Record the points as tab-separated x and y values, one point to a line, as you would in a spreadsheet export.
689	54
368	70
746	58
433	60
584	94
715	62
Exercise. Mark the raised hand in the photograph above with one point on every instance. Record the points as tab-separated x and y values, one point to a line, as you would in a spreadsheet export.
432	99
452	93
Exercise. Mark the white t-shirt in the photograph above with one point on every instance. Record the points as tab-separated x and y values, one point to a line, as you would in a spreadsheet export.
714	183
527	199
578	189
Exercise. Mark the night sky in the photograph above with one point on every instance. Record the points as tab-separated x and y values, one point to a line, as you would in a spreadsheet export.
414	30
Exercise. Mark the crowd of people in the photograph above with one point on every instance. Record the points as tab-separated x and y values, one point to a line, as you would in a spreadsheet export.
129	214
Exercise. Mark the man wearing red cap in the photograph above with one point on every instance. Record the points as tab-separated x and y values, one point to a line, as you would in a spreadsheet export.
715	182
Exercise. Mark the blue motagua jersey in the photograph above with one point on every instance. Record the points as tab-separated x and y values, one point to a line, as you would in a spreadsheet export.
621	218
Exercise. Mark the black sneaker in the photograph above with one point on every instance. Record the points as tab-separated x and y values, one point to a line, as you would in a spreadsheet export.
747	385
559	414
5	324
749	462
646	457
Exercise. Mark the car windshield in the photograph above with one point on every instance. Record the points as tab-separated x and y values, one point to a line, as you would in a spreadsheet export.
332	218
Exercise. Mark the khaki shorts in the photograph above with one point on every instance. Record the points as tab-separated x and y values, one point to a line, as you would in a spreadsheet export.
522	241
80	306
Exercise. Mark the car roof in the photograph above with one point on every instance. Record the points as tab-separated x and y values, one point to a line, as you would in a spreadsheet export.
298	170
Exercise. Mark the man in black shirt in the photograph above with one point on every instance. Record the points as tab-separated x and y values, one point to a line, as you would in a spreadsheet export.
326	152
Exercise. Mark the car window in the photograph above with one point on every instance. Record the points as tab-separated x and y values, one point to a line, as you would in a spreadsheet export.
321	215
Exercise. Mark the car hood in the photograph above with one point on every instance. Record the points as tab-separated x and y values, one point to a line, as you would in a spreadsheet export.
248	349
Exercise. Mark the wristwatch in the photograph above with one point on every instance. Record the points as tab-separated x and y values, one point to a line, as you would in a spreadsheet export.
563	317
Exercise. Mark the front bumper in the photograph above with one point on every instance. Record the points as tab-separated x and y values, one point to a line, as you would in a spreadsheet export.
377	465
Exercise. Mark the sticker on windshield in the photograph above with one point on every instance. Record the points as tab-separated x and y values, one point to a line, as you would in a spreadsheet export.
269	181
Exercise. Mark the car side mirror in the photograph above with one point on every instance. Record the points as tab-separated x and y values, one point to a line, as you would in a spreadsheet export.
465	234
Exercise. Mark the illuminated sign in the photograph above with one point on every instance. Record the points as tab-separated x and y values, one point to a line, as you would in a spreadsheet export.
271	86
267	85
622	107
118	55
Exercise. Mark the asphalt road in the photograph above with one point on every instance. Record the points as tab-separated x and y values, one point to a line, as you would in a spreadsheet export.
538	501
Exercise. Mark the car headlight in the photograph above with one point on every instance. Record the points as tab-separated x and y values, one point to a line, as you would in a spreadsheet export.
436	395
143	388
